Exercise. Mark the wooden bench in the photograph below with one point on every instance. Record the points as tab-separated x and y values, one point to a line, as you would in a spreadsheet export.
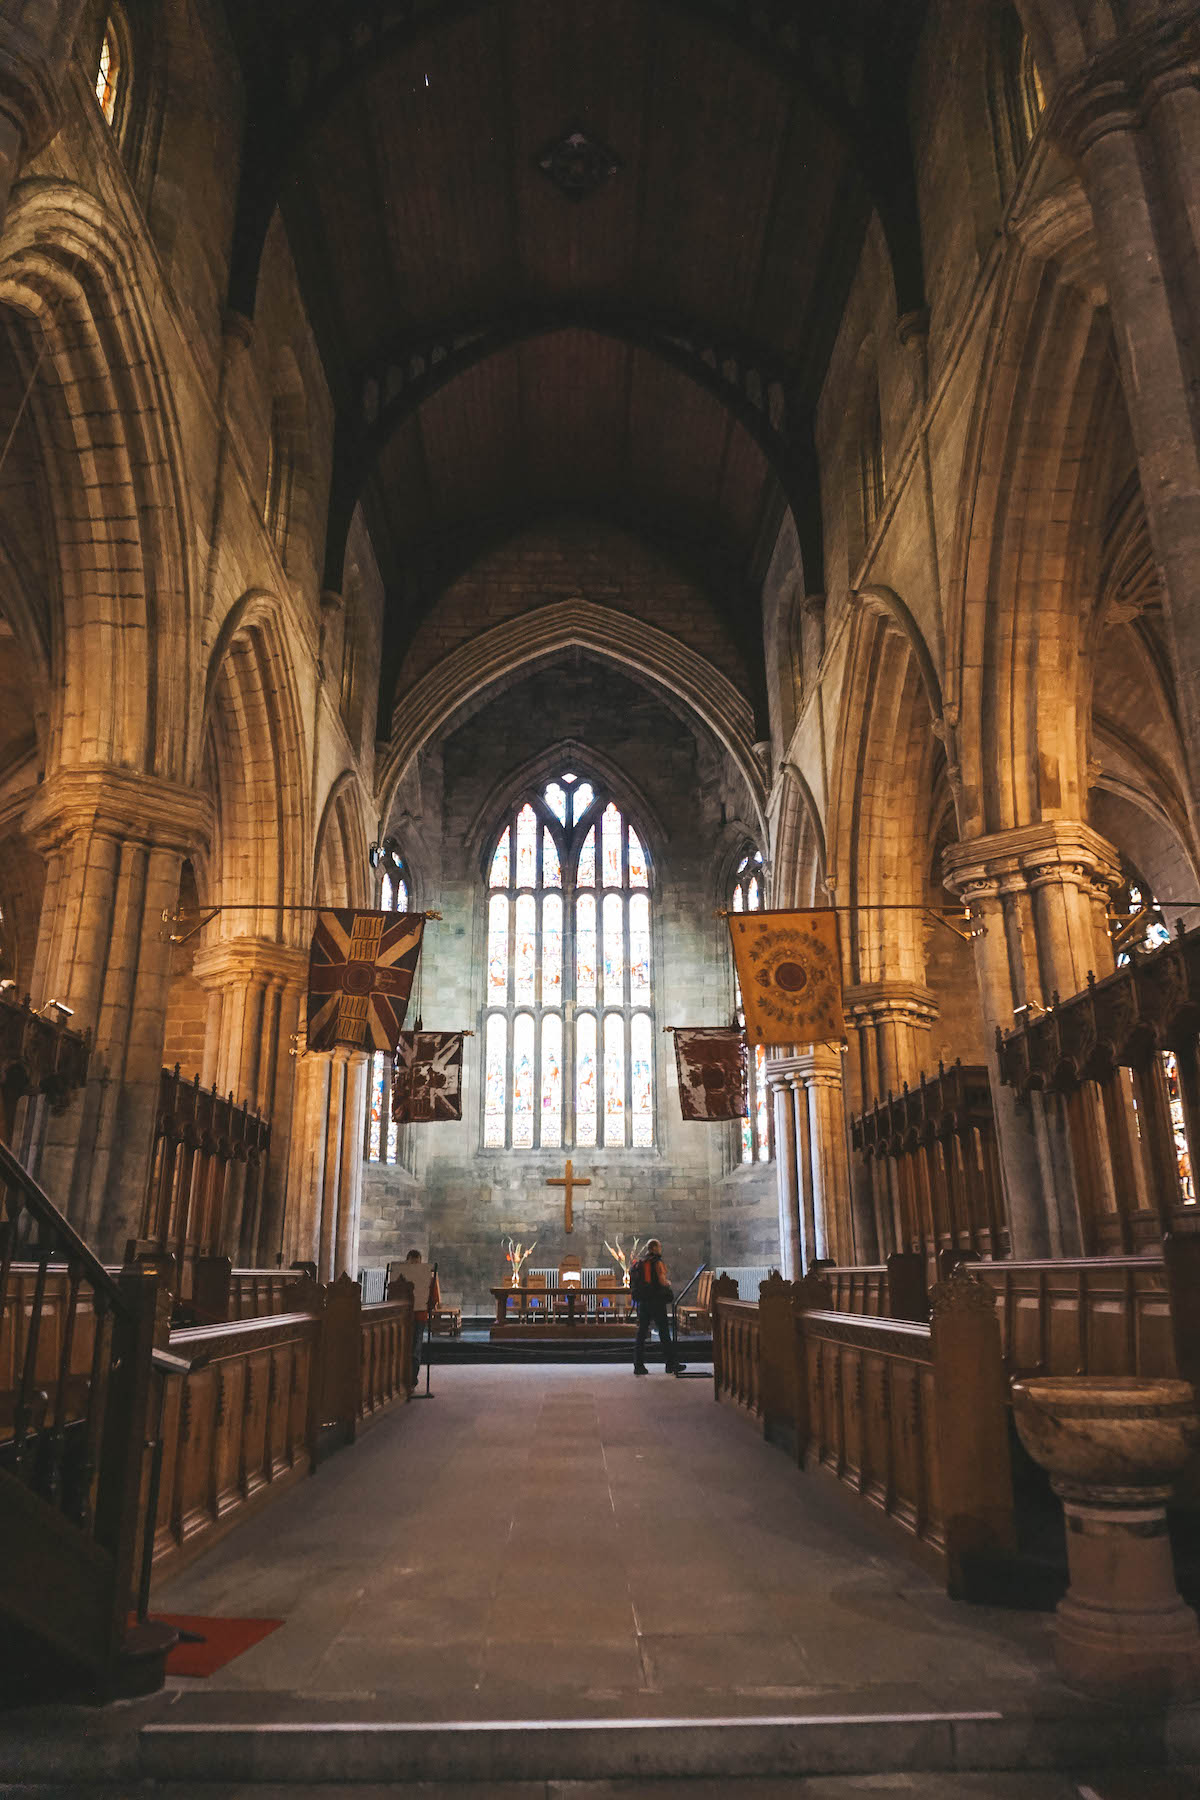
445	1321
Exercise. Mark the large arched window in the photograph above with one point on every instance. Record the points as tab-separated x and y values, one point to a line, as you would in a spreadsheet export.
383	1133
568	1029
748	896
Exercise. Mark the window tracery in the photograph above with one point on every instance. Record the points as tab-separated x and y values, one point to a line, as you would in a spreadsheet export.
568	1009
110	71
749	895
383	1133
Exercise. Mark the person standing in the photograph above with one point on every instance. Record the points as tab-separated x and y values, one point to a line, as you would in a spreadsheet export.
423	1303
650	1290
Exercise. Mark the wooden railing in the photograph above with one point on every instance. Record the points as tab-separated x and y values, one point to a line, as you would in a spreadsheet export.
909	1417
75	1380
891	1290
933	1165
265	1400
1121	1063
236	1429
736	1365
205	1189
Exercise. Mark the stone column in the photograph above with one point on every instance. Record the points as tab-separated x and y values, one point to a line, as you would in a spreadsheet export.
326	1165
891	1021
791	1264
114	842
256	986
1130	117
816	1147
1039	893
35	45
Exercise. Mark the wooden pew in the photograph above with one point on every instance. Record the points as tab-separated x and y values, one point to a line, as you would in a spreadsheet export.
909	1418
891	1290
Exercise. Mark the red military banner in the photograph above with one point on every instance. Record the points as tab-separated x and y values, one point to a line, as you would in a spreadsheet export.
711	1060
427	1083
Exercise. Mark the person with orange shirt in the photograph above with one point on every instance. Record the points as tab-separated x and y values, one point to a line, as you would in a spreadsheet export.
650	1291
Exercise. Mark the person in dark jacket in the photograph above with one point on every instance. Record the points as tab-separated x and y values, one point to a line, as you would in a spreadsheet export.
652	1296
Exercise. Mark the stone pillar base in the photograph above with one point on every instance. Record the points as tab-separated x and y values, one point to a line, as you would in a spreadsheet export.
1122	1632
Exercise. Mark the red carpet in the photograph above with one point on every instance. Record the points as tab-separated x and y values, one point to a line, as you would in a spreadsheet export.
223	1640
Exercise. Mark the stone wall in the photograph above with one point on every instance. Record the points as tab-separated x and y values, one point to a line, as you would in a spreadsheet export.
458	1200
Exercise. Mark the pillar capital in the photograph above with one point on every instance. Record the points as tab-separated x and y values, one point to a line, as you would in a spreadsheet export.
118	803
887	1002
818	1066
1021	860
1116	88
235	961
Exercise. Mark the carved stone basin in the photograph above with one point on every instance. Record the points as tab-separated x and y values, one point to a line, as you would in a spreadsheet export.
1107	1431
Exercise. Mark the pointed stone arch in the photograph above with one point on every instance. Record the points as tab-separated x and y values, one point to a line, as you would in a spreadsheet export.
340	864
538	636
124	620
1025	564
256	764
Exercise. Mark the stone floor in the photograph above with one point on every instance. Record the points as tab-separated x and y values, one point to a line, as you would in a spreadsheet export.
571	1542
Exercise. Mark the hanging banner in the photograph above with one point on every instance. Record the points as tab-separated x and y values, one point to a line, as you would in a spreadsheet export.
360	973
711	1060
427	1084
789	967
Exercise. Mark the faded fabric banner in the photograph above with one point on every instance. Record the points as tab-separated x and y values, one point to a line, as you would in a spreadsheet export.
427	1084
360	973
790	969
711	1060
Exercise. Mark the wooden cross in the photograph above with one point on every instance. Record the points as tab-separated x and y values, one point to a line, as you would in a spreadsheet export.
570	1181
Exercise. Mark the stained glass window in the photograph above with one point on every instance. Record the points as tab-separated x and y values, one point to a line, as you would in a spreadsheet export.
109	72
1136	900
756	1133
383	1134
568	1033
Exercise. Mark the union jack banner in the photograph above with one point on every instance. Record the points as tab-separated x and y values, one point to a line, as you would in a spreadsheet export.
427	1084
360	973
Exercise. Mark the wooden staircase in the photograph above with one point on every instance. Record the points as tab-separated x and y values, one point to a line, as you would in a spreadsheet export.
77	1346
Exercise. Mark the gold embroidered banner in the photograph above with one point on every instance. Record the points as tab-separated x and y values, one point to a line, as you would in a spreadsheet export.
790	969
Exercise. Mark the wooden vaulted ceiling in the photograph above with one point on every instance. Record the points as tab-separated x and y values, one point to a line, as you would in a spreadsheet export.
651	351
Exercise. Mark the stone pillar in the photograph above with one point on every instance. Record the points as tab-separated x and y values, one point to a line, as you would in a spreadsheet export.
816	1147
114	842
326	1165
36	38
1130	118
1039	893
255	988
791	1265
891	1021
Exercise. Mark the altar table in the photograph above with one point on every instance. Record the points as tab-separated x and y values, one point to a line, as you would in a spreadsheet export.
540	1312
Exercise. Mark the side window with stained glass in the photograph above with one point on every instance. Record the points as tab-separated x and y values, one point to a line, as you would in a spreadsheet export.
568	1028
749	895
383	1134
1136	903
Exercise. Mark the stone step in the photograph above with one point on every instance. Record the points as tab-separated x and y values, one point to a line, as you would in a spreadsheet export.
491	1753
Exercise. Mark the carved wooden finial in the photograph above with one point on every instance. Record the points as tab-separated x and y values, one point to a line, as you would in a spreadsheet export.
813	1293
961	1292
774	1287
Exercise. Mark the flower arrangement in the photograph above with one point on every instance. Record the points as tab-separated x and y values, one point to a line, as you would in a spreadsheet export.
516	1254
624	1258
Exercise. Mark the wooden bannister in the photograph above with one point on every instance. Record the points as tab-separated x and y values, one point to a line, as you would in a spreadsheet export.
72	1440
204	1194
934	1167
1122	1060
909	1417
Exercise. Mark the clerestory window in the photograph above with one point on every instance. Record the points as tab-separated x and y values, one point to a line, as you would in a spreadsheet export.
568	1023
748	896
383	1133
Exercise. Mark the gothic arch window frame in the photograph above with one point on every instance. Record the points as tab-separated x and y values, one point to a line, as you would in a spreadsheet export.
746	891
540	1059
1015	96
394	892
115	71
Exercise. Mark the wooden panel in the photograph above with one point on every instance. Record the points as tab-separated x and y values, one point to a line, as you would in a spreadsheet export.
1099	1316
234	1430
